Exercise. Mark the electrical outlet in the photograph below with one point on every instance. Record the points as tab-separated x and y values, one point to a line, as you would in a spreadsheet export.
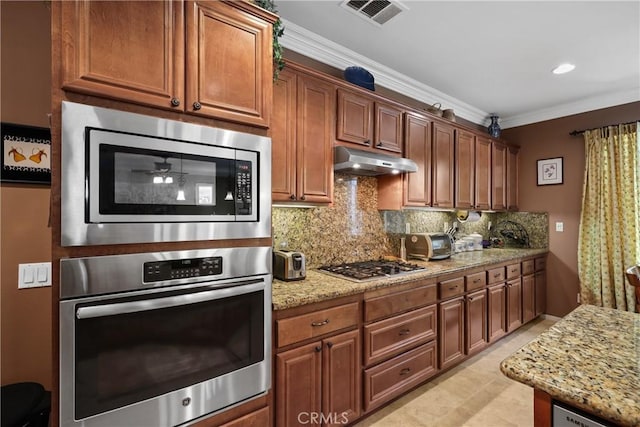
560	226
407	228
578	298
489	226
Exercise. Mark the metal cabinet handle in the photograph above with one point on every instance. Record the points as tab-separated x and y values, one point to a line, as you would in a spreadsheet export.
324	322
318	348
367	142
292	197
197	106
303	198
496	275
404	332
175	102
471	298
477	281
405	371
379	144
452	287
329	344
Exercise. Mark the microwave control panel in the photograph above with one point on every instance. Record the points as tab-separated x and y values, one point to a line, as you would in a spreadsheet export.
243	187
158	271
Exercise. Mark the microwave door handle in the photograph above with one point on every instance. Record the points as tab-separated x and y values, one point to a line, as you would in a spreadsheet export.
166	302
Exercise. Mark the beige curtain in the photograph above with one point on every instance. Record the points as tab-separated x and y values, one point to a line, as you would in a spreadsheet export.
610	219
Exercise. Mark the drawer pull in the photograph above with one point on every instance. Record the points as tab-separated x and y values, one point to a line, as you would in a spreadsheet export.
329	344
324	322
453	287
471	298
405	371
477	281
318	348
404	332
496	275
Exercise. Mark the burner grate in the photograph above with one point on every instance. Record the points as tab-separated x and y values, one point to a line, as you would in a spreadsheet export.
369	270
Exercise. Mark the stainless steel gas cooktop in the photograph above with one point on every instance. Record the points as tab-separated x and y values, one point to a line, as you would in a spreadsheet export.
370	270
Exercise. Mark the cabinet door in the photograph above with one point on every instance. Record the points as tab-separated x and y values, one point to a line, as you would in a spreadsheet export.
528	298
418	148
283	137
341	376
388	128
497	307
483	173
259	418
476	321
541	292
355	118
316	106
442	166
298	383
451	332
512	177
464	169
498	176
132	51
229	70
514	304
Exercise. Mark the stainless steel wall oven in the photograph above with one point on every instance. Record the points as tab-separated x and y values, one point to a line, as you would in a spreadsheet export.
160	339
131	178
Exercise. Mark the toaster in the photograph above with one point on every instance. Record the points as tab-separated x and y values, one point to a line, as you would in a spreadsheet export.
289	265
428	246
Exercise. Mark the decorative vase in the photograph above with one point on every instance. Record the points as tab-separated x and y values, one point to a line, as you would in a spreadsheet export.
494	127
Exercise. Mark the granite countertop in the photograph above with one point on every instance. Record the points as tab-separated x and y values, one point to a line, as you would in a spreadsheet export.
590	359
319	286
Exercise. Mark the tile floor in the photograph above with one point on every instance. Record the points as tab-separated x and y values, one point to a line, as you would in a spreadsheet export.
473	394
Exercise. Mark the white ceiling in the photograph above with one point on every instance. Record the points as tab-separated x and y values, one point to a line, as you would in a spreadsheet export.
481	57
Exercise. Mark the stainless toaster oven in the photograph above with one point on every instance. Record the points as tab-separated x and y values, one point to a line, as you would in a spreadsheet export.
431	246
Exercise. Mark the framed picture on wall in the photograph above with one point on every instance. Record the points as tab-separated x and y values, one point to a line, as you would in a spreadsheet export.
26	154
550	171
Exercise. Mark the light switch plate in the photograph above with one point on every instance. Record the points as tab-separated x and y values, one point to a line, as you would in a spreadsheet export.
560	226
34	275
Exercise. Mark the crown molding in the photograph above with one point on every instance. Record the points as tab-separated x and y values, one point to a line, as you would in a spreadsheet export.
571	108
313	46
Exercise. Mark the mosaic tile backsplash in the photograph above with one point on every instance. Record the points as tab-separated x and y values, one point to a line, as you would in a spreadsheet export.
353	229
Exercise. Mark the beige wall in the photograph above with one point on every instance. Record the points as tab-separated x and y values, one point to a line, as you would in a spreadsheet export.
25	314
563	202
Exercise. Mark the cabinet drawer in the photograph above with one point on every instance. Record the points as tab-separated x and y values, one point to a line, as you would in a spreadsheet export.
393	377
389	337
377	308
513	271
527	267
496	275
254	419
305	326
476	280
540	263
451	288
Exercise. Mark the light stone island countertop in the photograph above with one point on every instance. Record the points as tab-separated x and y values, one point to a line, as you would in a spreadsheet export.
590	359
319	286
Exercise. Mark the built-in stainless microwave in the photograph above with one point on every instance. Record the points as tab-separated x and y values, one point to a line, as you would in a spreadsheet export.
131	178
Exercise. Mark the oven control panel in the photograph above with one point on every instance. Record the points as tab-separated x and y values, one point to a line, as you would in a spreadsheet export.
158	271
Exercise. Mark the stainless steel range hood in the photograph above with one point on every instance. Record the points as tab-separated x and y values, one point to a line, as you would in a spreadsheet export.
359	162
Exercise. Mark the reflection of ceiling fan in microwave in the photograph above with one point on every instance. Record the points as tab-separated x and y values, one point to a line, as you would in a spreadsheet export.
162	172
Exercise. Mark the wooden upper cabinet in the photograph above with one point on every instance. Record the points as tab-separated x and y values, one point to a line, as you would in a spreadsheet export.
355	118
132	51
512	177
443	157
418	148
498	176
369	123
229	62
464	169
314	134
388	128
302	138
215	61
283	137
483	173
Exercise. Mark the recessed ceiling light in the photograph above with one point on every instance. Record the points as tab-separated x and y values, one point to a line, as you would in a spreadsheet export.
563	68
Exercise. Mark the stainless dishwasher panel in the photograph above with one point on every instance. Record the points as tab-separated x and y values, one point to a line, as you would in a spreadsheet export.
563	417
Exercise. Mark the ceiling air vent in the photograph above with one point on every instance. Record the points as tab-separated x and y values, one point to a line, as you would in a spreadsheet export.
375	11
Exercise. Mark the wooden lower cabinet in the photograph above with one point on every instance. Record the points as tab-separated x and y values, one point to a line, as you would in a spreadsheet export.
451	332
259	418
497	311
528	298
321	379
541	292
395	376
514	304
476	321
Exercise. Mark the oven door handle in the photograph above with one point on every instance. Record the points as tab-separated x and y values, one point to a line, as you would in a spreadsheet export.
166	302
